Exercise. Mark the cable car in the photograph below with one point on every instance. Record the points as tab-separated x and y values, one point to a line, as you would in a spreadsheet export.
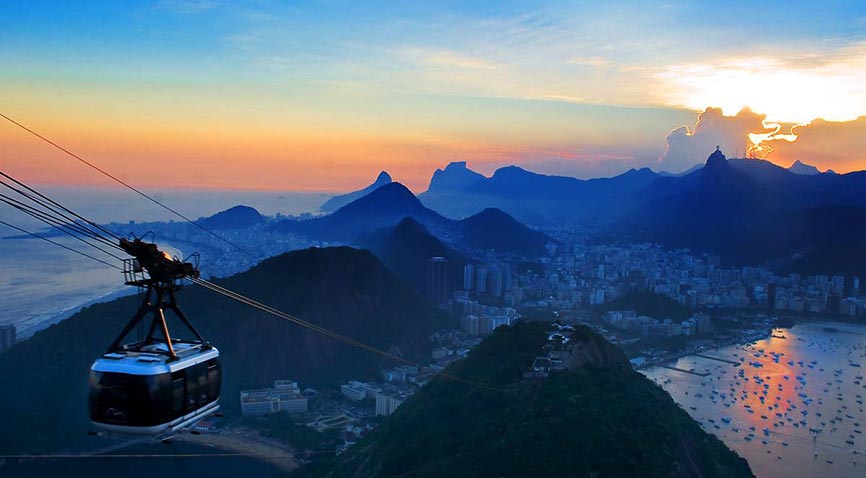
158	384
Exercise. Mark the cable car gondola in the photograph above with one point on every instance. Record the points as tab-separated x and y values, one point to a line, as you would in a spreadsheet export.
158	384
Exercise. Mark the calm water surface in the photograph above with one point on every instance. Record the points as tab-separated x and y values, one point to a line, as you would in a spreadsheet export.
792	407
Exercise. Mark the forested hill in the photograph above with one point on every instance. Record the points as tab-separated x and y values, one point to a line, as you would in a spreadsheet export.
343	289
599	419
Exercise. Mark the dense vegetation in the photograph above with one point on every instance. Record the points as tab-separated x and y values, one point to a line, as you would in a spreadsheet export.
752	211
406	248
603	419
302	438
237	217
346	290
383	207
657	306
496	230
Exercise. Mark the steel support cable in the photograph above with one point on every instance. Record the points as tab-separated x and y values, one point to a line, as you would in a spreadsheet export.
125	184
238	297
128	456
55	223
270	310
60	245
58	227
55	203
61	220
53	220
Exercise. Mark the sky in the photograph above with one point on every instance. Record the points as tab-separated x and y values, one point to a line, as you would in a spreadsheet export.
322	95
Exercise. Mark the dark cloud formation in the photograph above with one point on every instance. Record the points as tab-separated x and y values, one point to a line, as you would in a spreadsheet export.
686	148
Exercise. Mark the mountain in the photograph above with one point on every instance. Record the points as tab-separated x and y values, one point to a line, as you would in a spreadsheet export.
538	199
803	168
683	173
581	421
405	249
345	290
750	211
337	202
455	177
238	217
387	206
384	207
495	230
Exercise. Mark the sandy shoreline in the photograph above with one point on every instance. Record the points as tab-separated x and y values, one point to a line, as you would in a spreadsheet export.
246	441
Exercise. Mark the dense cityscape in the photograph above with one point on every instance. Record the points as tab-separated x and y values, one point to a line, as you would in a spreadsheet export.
571	285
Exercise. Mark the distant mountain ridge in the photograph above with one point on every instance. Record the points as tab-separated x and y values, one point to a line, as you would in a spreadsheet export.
802	168
532	198
237	217
406	248
750	211
383	207
389	205
337	202
455	177
495	230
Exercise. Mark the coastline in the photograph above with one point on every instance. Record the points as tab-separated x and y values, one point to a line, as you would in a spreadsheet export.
31	326
246	442
751	338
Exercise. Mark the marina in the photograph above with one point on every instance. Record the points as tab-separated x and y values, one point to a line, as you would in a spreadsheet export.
791	404
682	370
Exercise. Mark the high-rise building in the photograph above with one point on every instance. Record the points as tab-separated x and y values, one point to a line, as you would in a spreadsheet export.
437	279
481	279
8	337
471	324
387	403
468	276
494	281
354	390
771	296
506	277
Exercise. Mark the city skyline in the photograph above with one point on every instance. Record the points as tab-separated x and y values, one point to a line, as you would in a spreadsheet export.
322	95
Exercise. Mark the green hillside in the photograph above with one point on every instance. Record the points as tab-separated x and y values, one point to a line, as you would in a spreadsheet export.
344	289
599	419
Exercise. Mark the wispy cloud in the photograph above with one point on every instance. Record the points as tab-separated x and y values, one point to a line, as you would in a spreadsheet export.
594	61
447	59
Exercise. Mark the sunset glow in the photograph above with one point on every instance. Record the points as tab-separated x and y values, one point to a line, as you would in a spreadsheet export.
323	96
796	93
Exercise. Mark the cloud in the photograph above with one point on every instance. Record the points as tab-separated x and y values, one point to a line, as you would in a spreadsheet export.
592	61
686	148
840	146
837	145
795	88
448	59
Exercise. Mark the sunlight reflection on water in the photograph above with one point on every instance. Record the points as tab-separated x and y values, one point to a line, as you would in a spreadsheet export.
794	407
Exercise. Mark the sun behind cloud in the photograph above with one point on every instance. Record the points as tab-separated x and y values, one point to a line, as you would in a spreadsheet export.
786	90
